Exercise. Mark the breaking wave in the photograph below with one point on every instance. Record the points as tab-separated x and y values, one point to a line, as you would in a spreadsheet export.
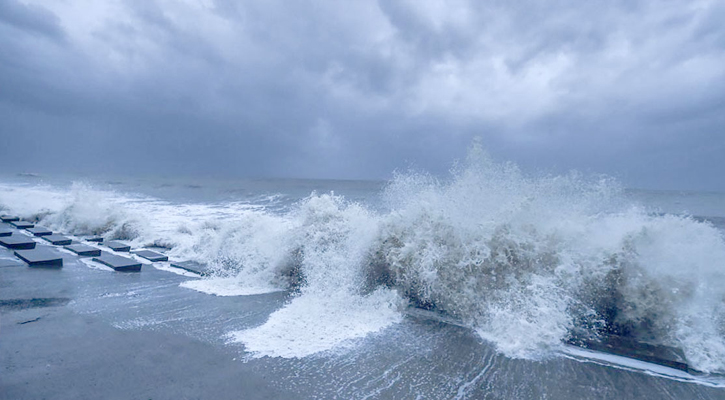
525	262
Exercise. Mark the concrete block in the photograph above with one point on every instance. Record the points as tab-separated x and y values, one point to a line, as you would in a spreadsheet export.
192	266
22	224
40	258
118	246
151	255
119	263
58	240
40	231
97	239
17	242
84	250
9	218
5	232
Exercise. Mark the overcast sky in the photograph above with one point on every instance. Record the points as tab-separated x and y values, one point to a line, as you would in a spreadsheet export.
357	89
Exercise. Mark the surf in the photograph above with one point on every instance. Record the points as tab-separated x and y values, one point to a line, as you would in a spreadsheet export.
527	262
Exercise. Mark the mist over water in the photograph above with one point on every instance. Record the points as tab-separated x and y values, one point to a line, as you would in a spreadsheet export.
526	262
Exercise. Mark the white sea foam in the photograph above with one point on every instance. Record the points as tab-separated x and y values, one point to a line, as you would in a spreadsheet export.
316	323
230	286
333	239
523	261
526	261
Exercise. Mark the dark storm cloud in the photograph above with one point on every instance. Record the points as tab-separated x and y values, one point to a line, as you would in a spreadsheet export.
356	89
31	19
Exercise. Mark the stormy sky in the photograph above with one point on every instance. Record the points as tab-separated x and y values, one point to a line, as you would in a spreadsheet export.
358	89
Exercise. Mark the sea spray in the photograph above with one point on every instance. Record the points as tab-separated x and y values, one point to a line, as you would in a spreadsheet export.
252	251
524	261
91	212
527	262
332	239
485	249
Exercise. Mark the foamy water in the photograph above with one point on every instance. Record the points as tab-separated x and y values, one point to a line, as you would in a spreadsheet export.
311	324
524	262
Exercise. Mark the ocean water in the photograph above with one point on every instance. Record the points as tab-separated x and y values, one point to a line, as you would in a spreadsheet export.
504	267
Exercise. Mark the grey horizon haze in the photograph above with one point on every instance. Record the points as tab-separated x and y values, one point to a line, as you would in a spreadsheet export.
358	89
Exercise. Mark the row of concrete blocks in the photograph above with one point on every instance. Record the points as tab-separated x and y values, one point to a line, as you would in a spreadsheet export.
25	250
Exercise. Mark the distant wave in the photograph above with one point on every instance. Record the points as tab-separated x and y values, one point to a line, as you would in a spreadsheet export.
525	262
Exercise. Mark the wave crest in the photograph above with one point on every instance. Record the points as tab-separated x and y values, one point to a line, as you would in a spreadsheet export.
527	262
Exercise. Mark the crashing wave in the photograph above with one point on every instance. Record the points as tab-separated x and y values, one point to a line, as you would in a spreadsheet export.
525	262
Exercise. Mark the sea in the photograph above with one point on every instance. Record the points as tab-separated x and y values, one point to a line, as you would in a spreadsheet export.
465	286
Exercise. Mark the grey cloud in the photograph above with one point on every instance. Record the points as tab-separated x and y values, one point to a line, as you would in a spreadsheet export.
33	19
358	89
